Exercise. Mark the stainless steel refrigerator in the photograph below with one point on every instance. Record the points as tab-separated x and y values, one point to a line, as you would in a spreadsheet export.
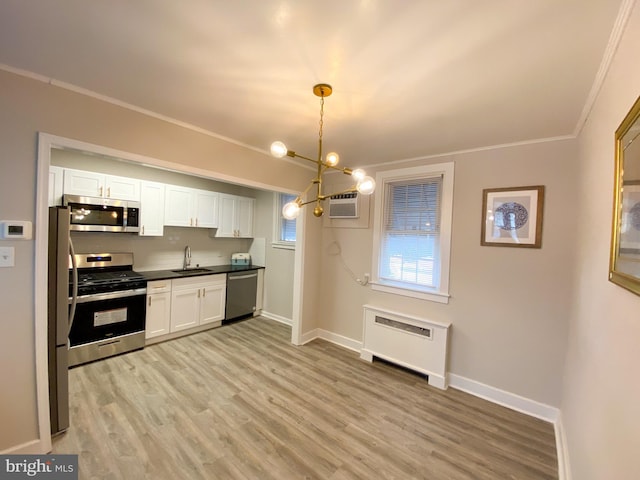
60	316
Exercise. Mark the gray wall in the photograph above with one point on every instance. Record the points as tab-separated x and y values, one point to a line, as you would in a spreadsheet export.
278	276
509	307
601	392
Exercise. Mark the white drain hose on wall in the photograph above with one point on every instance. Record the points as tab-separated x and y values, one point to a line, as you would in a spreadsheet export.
334	249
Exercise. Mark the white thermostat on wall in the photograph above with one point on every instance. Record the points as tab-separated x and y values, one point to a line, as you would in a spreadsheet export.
15	230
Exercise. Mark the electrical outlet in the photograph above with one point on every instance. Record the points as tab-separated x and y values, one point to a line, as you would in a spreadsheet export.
7	256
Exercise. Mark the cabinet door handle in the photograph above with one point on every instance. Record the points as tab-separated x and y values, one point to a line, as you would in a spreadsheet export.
196	221
198	293
142	229
191	222
204	292
109	192
100	192
149	301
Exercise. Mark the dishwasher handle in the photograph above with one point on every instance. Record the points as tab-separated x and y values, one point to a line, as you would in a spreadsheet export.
241	277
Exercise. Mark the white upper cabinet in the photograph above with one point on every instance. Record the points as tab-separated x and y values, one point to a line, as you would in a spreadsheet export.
236	216
91	184
189	207
244	218
206	208
178	206
151	209
121	188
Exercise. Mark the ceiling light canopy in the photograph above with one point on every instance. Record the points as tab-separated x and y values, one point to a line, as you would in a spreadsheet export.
364	185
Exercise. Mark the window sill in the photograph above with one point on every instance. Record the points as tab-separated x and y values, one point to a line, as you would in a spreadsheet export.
284	245
438	297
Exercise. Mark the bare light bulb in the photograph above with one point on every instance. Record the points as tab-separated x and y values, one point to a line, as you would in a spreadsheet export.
358	174
291	210
332	159
278	149
366	185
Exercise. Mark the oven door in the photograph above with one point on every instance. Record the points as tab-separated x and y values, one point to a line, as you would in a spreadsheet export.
107	324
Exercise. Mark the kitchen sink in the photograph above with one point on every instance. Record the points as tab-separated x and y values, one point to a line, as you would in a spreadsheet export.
191	270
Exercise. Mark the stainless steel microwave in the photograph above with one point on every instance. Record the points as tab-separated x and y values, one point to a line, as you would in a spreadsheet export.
94	214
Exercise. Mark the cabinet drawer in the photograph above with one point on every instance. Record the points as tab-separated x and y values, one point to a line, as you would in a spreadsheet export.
190	282
158	286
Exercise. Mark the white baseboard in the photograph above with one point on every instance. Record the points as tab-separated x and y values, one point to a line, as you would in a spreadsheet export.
309	336
564	469
277	318
33	447
345	342
504	398
340	340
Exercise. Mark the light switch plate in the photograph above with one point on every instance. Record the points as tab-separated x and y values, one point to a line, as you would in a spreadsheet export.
7	256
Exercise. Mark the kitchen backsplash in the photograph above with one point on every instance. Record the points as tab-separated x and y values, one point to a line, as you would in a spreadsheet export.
166	252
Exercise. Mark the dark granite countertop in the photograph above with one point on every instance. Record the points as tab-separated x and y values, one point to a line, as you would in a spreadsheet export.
151	275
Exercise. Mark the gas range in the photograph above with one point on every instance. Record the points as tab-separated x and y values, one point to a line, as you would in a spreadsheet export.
109	308
106	272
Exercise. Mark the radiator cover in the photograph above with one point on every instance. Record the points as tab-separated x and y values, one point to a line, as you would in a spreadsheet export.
415	343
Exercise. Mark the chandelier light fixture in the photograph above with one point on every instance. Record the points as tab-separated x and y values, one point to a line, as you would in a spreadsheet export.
364	185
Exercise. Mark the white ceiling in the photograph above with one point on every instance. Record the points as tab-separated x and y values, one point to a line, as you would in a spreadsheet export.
411	78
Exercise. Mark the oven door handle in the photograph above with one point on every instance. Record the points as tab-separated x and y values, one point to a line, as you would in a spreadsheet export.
74	287
110	295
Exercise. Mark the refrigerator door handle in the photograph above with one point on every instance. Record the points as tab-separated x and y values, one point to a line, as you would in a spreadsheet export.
74	285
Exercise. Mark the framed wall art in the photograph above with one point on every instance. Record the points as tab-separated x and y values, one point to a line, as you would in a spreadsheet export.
624	259
512	217
630	219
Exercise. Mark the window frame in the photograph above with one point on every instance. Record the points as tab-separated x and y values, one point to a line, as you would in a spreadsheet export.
277	241
383	178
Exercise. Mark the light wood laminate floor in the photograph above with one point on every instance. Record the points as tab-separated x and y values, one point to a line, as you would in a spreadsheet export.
241	402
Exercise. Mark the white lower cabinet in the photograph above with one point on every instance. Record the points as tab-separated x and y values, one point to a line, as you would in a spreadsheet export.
158	308
197	301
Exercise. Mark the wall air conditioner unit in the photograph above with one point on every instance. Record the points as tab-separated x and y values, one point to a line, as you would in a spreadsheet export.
344	205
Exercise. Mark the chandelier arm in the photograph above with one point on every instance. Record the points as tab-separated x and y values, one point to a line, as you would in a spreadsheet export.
348	190
345	170
324	197
311	201
294	154
306	190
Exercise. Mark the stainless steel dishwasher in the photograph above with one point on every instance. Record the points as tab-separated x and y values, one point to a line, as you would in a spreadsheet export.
242	288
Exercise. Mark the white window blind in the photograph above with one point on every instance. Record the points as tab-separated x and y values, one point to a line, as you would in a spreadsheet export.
287	228
410	236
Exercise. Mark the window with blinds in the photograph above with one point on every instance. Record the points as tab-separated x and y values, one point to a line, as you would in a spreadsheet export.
412	231
285	231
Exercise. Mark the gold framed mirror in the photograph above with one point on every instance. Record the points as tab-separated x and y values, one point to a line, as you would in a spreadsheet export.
624	263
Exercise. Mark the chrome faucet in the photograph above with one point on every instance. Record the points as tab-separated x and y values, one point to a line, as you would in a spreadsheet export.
187	258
